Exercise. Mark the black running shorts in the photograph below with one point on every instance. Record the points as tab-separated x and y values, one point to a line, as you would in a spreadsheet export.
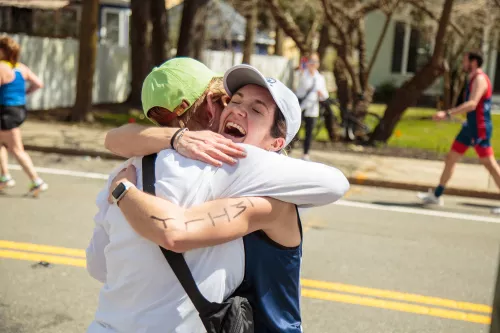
12	117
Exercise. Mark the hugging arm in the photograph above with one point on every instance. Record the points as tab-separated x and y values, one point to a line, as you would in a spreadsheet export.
179	229
262	173
290	180
137	140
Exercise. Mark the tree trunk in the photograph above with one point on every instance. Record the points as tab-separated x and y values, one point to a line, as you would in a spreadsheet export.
280	37
458	87
192	29
140	40
324	42
86	61
251	26
200	33
447	88
342	82
362	54
160	47
408	94
405	97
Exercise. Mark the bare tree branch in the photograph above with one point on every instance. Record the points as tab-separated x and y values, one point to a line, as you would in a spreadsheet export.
336	24
338	8
367	7
286	22
314	27
419	5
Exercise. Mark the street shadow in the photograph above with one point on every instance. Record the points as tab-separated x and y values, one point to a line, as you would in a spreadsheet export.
474	205
399	204
15	196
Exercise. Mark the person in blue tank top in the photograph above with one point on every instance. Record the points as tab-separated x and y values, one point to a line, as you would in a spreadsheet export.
476	130
271	229
13	78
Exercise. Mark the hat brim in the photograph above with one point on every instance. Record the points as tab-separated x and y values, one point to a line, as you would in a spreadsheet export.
242	75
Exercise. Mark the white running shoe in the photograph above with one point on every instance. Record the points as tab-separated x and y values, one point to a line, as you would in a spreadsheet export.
7	182
35	189
430	198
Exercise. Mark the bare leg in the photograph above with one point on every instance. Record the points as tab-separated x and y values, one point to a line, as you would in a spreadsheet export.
493	168
4	158
449	167
15	145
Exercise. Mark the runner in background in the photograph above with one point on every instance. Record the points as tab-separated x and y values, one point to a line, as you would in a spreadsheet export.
475	132
13	92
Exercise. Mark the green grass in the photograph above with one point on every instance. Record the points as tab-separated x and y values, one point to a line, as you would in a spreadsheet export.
417	130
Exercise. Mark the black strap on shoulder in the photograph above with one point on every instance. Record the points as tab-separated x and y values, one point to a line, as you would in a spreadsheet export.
175	260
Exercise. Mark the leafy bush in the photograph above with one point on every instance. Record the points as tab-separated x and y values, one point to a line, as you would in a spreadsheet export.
385	91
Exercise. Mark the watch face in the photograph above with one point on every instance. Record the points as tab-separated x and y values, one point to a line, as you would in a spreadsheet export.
118	190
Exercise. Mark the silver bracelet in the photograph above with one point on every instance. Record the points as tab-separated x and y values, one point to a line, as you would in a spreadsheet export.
179	137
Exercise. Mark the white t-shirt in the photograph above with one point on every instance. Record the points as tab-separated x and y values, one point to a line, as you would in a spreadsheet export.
140	292
310	104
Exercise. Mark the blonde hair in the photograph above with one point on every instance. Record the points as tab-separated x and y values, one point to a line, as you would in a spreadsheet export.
216	87
160	115
10	48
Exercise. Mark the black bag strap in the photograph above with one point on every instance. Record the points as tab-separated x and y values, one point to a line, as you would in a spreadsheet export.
175	260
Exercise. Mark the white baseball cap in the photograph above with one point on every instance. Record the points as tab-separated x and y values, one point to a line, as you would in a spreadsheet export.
241	75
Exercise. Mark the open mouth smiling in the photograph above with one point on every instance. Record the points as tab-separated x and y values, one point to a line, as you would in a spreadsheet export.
234	130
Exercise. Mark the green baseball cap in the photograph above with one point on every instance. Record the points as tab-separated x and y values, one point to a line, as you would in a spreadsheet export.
175	80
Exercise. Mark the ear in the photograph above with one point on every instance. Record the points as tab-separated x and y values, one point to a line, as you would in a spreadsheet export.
277	144
210	107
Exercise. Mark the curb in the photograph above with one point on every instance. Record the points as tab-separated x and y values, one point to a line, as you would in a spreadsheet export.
422	188
359	180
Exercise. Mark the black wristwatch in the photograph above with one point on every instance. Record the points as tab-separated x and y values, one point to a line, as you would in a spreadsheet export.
120	191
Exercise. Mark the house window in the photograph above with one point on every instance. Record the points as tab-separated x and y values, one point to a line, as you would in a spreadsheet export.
397	49
411	50
114	26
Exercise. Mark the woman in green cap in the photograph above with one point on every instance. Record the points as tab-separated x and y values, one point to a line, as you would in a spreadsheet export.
264	113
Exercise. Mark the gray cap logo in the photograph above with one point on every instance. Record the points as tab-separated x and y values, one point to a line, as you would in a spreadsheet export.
270	80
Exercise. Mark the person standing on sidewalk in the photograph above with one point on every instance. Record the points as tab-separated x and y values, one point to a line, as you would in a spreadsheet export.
13	78
311	90
476	131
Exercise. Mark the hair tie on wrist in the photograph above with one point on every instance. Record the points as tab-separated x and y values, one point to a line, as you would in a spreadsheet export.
172	140
177	136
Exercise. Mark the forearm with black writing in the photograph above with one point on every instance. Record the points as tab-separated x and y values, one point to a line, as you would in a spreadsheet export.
209	224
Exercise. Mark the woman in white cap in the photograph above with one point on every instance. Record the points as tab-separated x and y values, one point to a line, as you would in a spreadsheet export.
264	113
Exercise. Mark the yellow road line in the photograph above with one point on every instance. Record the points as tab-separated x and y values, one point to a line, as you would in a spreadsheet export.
397	295
307	283
41	248
42	257
397	306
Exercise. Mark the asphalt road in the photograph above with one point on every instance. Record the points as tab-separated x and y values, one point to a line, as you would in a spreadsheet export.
375	262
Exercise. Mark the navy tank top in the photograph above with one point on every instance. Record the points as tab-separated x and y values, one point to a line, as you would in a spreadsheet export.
272	283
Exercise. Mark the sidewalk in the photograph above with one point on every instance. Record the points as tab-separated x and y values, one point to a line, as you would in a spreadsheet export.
362	169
